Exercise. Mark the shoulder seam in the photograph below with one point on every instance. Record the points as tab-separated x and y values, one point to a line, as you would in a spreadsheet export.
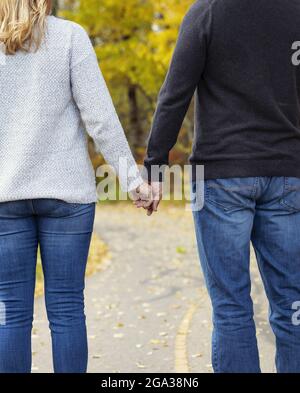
208	11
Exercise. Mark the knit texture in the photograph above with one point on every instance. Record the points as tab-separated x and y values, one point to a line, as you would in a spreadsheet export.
48	100
237	56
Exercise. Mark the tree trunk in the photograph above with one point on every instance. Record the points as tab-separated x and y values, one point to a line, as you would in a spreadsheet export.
136	129
54	7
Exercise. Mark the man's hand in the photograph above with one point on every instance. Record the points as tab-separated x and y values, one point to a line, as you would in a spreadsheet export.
156	188
142	196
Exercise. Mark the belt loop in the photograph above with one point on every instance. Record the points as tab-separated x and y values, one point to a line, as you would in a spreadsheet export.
254	191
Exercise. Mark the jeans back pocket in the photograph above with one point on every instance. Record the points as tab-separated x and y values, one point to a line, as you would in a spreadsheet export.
230	194
291	193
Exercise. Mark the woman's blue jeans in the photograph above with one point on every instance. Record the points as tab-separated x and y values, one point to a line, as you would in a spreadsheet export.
266	212
63	232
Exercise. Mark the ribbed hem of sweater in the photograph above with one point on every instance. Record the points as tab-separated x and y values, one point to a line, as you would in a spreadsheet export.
74	199
246	168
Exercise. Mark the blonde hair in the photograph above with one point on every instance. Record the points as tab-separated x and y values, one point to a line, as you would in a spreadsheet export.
22	24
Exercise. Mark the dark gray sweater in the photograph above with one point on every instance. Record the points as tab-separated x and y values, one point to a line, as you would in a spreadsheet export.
238	55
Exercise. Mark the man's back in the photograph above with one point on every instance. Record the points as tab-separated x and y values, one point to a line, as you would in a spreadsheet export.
241	57
239	54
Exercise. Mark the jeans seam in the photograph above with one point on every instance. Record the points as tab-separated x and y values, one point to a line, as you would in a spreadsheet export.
32	206
215	357
254	191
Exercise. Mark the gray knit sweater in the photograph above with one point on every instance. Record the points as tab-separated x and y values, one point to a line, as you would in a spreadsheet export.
48	99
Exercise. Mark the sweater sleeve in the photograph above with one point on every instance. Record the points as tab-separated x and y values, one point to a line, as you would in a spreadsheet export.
184	75
97	111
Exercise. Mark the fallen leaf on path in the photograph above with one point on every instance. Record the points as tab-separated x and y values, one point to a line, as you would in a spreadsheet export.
118	335
181	250
112	306
139	365
155	341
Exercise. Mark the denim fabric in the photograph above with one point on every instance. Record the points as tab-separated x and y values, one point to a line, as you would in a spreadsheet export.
63	232
266	212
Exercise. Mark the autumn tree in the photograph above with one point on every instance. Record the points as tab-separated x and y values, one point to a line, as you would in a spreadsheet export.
134	41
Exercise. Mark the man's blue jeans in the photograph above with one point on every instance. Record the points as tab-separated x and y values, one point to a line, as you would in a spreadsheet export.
63	232
266	212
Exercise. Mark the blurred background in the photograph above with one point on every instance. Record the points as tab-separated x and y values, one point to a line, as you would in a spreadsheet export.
134	41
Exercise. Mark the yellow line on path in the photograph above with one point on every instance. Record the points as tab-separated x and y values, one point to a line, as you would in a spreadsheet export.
181	352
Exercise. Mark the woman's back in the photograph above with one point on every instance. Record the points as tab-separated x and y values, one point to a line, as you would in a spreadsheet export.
46	96
51	92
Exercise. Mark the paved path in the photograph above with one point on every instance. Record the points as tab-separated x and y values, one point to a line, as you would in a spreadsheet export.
148	310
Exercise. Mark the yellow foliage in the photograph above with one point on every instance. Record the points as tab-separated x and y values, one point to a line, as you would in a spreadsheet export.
134	41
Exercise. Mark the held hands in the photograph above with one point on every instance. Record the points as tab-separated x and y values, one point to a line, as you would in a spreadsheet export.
150	197
142	196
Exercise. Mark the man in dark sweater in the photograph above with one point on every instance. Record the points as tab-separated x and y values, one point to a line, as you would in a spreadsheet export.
242	59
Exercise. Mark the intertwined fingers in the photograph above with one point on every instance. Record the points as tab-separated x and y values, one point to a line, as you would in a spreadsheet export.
143	196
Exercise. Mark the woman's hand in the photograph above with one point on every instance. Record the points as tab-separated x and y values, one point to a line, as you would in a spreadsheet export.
156	197
142	196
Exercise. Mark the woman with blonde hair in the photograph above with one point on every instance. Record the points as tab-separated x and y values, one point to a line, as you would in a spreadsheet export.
51	91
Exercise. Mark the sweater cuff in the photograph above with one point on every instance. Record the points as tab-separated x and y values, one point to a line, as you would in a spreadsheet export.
135	184
153	173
